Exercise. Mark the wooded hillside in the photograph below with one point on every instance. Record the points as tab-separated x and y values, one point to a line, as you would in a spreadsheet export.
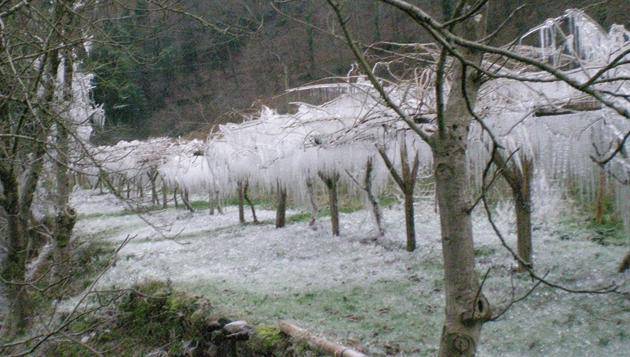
161	71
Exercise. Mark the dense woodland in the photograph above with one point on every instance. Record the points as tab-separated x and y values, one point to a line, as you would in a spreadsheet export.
161	73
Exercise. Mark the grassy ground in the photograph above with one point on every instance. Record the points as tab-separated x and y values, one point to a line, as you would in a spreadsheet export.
374	295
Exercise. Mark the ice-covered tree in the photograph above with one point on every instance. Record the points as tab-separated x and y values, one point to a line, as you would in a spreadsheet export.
466	60
46	118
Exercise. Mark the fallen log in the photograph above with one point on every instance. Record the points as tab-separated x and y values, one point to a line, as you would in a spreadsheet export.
332	348
579	105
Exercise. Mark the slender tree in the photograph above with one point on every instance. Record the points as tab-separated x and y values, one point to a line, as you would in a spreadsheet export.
281	205
331	180
519	177
406	181
466	307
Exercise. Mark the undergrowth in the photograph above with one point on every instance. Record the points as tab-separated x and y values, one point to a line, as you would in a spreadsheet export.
153	318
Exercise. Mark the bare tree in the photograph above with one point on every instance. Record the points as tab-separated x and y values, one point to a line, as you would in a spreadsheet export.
406	181
27	120
519	177
249	201
310	190
369	193
241	201
462	40
281	205
331	180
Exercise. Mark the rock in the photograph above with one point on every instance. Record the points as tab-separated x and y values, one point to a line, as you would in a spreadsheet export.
235	327
238	330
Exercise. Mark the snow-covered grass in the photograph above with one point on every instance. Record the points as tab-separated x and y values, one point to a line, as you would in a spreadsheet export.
366	293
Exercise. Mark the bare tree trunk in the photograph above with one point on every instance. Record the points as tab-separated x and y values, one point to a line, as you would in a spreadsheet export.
410	226
241	202
409	182
63	232
331	184
17	200
461	332
164	195
185	200
281	208
17	203
218	202
66	217
466	306
311	197
601	197
371	198
376	209
523	205
99	184
210	203
249	202
406	181
520	180
14	270
154	195
175	196
625	263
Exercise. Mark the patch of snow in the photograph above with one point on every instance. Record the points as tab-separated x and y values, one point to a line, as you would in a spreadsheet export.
261	261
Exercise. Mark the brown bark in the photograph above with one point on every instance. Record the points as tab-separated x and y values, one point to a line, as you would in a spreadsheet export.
466	307
66	218
241	202
14	269
210	203
523	202
249	202
406	181
331	184
186	200
520	180
217	200
164	196
373	201
312	200
64	225
281	206
17	203
154	194
98	184
625	263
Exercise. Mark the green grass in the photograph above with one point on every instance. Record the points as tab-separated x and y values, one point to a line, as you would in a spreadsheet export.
388	201
484	251
107	215
299	218
153	316
388	315
610	231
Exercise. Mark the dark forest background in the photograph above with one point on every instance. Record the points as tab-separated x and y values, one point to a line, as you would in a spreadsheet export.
179	71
